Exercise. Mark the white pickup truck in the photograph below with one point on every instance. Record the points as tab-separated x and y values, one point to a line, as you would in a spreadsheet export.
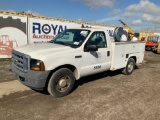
71	55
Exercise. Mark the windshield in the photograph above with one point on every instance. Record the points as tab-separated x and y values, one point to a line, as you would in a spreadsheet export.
71	37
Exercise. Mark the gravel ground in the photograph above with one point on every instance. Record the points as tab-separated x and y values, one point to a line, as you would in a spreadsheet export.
5	73
104	96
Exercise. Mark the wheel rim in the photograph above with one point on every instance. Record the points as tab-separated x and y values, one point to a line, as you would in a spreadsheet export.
63	84
130	67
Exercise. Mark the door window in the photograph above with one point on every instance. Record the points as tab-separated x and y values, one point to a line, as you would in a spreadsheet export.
98	39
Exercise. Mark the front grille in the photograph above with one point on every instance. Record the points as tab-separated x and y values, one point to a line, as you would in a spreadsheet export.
20	61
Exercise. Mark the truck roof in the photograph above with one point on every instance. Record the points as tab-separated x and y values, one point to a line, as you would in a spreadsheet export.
89	28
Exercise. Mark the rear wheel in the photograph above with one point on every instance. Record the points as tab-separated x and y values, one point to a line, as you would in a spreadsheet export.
61	82
129	67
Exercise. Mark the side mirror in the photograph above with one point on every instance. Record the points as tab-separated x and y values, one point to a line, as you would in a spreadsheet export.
91	48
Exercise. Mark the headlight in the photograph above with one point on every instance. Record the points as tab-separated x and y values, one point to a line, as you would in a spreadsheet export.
37	65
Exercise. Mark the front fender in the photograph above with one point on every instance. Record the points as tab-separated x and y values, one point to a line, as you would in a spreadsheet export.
62	62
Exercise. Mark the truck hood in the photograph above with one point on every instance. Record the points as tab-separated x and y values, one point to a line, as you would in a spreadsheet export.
42	50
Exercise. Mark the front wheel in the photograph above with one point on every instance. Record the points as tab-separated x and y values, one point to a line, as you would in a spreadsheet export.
61	83
129	67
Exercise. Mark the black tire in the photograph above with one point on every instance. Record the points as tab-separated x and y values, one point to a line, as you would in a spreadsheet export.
155	51
129	67
148	48
61	82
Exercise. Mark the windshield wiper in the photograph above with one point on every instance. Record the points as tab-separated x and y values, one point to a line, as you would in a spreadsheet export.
73	46
51	41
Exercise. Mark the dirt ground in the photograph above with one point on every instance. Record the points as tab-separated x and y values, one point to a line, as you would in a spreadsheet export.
5	73
104	96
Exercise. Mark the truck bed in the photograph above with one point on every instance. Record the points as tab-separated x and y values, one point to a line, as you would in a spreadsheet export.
122	51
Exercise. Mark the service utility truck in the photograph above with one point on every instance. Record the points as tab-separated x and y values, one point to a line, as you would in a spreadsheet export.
71	55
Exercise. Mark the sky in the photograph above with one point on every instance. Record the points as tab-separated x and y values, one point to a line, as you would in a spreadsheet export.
140	15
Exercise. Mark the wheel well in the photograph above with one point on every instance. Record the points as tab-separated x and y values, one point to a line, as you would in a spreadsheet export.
70	67
135	59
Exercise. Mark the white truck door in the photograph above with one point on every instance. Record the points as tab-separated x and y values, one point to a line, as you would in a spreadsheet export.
96	61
